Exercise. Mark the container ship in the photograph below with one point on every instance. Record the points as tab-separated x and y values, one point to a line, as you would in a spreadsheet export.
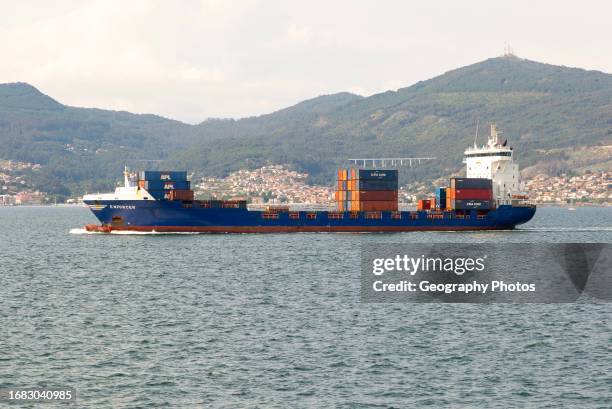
490	197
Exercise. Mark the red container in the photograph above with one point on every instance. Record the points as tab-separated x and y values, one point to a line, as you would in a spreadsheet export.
480	194
181	195
424	204
378	205
386	195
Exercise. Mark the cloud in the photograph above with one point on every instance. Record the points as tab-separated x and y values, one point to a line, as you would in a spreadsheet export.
196	59
299	35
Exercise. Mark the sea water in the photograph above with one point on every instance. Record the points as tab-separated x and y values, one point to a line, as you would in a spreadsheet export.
275	320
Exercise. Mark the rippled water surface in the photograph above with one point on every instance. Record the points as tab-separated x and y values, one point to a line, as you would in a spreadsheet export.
275	321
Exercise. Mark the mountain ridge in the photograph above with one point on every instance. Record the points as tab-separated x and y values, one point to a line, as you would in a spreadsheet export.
26	96
539	106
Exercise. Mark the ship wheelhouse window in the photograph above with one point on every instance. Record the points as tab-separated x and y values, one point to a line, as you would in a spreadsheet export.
481	155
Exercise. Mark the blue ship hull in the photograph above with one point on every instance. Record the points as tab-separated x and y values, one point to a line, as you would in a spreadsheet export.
177	216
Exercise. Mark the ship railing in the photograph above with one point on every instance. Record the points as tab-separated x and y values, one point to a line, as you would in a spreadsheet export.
293	206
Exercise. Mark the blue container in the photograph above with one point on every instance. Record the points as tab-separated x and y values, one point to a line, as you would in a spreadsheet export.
470	183
167	185
377	185
377	174
441	197
176	175
469	204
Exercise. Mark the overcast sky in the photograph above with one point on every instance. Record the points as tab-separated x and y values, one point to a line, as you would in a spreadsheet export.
191	60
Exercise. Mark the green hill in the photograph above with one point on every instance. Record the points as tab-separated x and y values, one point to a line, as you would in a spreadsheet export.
80	149
539	107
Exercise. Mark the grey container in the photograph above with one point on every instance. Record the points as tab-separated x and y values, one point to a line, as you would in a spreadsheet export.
377	185
472	204
470	183
377	174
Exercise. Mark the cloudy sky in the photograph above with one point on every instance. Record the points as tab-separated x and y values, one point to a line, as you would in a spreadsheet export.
191	60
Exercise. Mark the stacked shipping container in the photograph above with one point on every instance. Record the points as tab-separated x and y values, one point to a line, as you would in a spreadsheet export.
424	204
168	185
441	198
367	190
469	193
377	190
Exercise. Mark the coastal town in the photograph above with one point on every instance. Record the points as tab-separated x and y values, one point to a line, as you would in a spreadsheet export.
268	184
279	184
590	188
15	188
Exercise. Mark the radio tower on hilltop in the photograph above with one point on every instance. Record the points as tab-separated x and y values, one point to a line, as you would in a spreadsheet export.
508	50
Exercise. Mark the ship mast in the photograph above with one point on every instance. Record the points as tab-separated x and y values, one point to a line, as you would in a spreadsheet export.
126	174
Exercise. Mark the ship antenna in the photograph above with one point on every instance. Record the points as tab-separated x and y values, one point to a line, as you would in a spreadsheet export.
476	135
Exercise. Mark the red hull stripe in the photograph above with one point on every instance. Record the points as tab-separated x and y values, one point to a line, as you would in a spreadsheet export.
286	229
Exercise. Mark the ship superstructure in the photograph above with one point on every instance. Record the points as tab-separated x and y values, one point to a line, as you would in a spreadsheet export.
129	191
495	161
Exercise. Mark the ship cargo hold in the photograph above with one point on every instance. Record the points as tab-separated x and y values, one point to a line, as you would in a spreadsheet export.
488	198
